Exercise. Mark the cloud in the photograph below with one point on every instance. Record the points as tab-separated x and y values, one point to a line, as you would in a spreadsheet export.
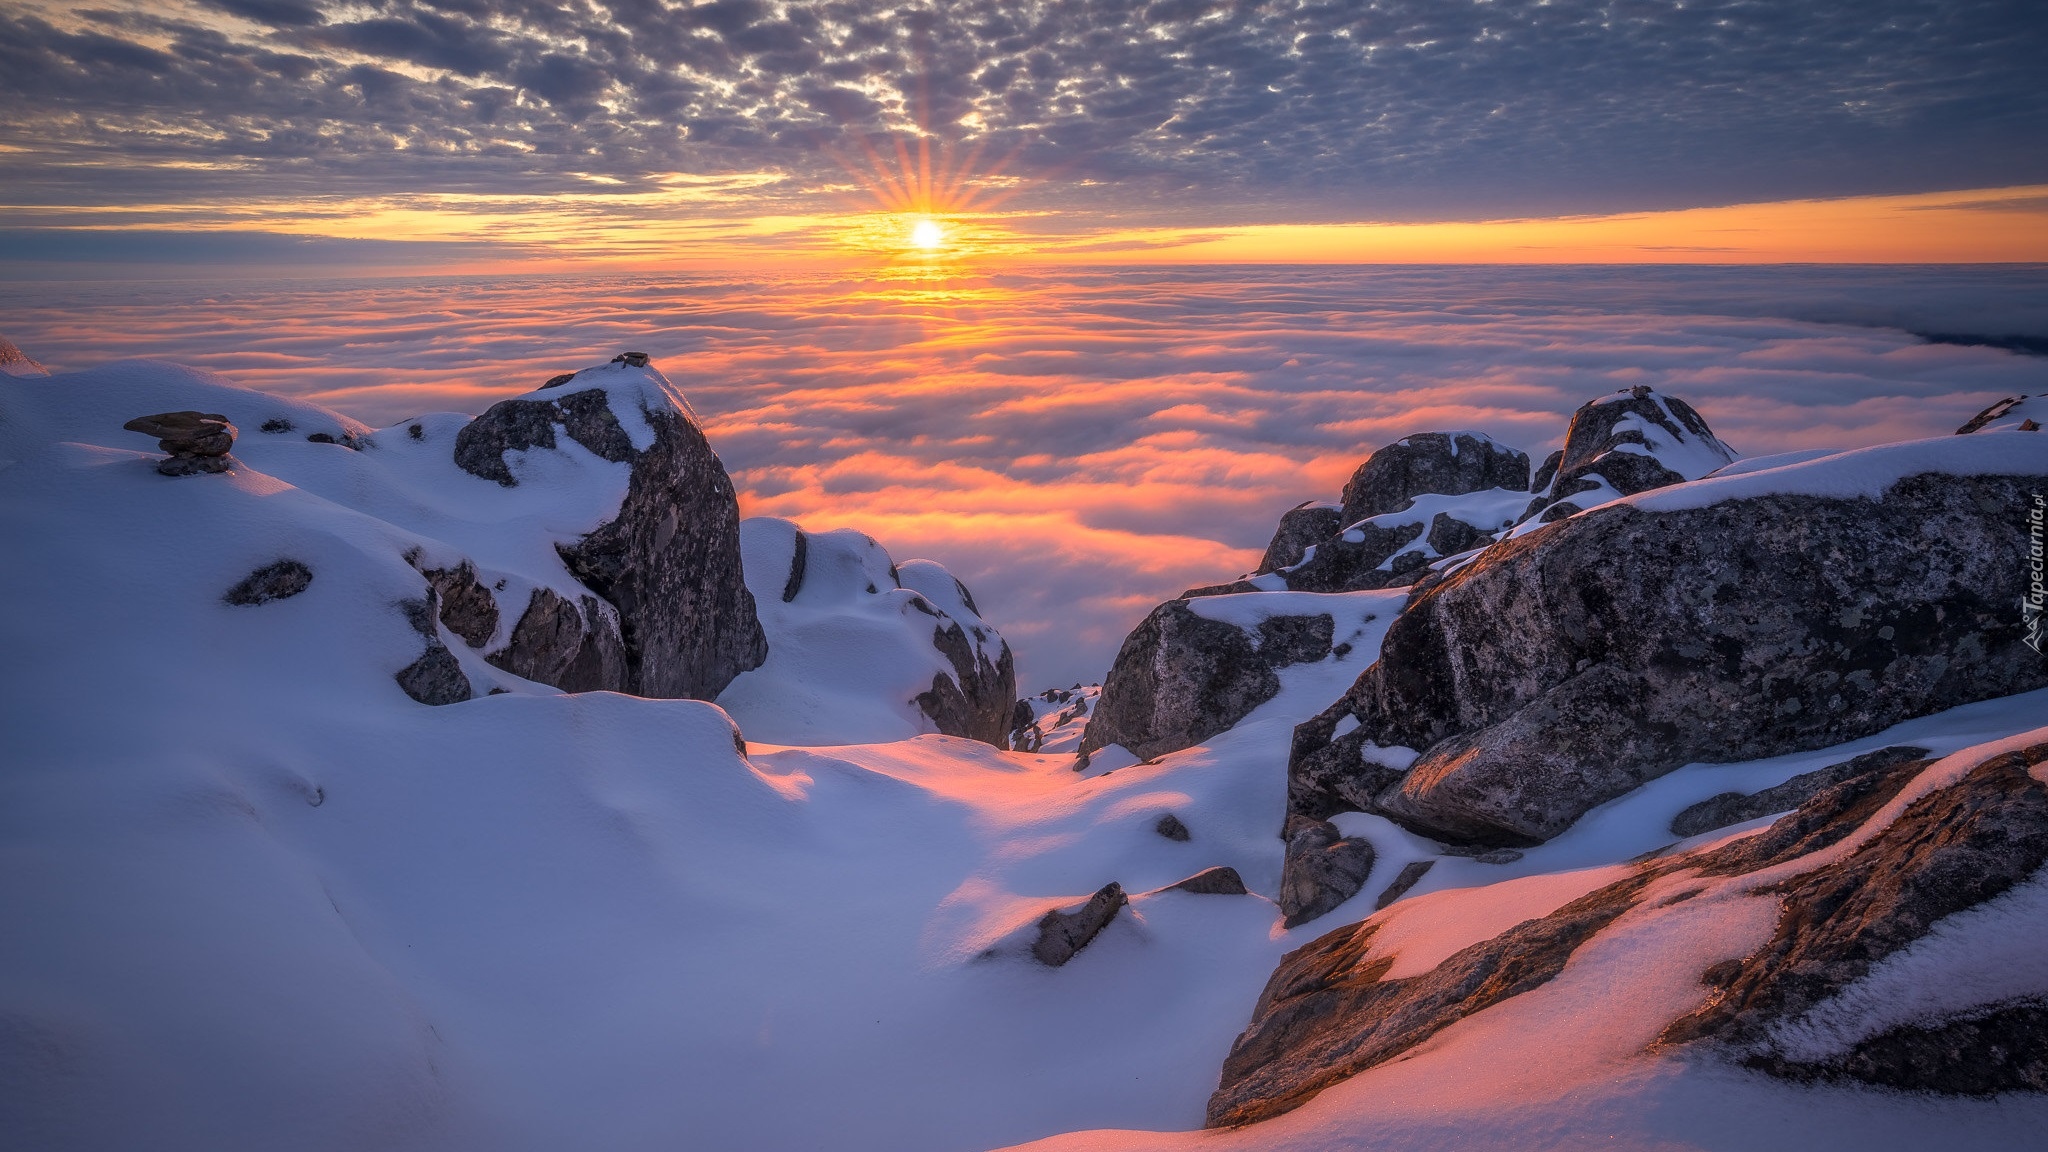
1081	445
1198	114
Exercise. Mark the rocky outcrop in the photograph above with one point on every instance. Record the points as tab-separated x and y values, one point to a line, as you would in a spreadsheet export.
198	442
436	677
1329	1011
279	580
2014	413
1053	720
1623	444
1441	463
1301	527
1181	677
979	699
1063	932
15	362
1323	869
1736	807
1568	666
1221	881
669	560
467	607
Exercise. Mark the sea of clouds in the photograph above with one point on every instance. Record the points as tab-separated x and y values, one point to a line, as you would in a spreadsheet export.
1078	446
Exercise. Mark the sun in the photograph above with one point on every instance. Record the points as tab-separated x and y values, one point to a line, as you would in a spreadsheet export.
927	234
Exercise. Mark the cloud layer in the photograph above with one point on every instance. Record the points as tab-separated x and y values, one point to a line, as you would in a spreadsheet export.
1192	111
1079	446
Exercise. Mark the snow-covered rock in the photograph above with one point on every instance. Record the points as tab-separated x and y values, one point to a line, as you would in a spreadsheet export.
1726	619
1053	720
15	362
1301	528
1431	463
1619	445
2012	414
668	559
862	649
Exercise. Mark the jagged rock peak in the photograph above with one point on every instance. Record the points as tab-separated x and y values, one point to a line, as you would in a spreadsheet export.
1439	463
1632	441
669	561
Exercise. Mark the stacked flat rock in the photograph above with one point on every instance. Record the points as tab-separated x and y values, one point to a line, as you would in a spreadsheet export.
197	441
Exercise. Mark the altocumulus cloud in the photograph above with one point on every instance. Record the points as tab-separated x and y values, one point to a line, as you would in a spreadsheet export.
1195	110
1079	446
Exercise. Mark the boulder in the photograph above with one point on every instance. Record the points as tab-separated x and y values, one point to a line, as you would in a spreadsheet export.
279	580
1630	442
1169	826
1323	869
1064	932
198	442
1301	527
572	645
1444	463
1565	667
1181	677
437	677
669	560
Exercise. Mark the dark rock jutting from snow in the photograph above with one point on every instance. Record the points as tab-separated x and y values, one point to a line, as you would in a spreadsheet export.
2018	413
979	700
198	442
1219	881
1300	527
280	580
1431	463
669	561
1169	826
1644	640
1323	869
572	645
437	677
1736	807
1411	873
1061	933
1597	448
1181	677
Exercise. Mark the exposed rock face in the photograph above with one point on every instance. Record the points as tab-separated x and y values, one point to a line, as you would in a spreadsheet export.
1169	826
1735	807
1223	881
1566	667
2014	413
1329	1012
15	362
1053	720
1411	873
669	561
1323	869
436	677
979	699
467	607
1061	934
1303	525
198	442
574	646
1181	677
276	581
1627	443
1445	463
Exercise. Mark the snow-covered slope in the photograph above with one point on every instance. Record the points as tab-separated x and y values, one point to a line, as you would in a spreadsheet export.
857	641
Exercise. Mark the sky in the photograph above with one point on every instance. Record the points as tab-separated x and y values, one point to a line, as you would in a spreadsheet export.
1079	445
365	136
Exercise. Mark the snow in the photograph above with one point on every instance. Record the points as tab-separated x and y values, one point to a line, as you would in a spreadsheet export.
1061	715
2021	410
258	898
1862	473
849	654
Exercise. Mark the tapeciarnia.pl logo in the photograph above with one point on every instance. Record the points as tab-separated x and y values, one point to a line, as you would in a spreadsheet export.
2034	609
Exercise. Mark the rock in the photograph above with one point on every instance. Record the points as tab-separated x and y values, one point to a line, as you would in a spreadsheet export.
467	607
1950	850
1306	524
1411	873
669	561
1630	442
277	425
1565	667
1323	869
1735	808
1548	472
979	699
279	580
1180	678
1062	933
198	442
1170	827
1329	1012
2014	413
1054	720
556	381
15	362
436	677
574	646
1444	463
1222	881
